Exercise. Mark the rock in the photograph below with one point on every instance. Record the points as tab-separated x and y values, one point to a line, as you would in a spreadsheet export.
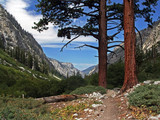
156	82
126	94
75	115
158	116
152	118
78	118
87	109
90	110
138	85
22	68
127	103
34	76
96	95
113	95
96	105
29	71
116	89
147	82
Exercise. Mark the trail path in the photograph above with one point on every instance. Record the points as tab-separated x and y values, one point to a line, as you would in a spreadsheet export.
111	111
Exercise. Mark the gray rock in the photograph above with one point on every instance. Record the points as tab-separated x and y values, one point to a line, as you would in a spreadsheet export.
152	118
156	82
147	82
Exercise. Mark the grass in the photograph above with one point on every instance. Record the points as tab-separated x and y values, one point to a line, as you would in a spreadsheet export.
23	109
15	81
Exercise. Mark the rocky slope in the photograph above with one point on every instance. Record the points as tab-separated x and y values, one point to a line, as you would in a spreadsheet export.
65	69
86	71
12	35
150	36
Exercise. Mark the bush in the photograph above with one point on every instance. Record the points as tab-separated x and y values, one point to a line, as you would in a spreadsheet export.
89	89
146	95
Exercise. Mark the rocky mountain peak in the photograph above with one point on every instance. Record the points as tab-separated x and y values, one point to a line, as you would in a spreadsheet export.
66	69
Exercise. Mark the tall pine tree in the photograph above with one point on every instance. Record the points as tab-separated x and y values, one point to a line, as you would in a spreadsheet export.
62	13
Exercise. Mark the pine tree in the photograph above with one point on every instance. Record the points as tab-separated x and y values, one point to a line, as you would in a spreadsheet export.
62	13
36	63
1	44
130	40
130	46
30	61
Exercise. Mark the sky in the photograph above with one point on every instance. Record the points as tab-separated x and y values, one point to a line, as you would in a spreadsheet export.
25	13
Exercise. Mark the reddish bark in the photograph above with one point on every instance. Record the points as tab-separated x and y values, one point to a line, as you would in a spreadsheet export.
130	46
102	44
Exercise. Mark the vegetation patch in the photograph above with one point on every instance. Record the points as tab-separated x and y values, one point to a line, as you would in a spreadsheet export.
89	89
23	109
145	100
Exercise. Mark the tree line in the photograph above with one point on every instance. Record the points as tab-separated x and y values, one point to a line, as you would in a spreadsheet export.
26	58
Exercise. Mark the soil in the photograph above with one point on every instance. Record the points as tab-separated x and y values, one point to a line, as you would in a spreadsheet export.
111	112
116	107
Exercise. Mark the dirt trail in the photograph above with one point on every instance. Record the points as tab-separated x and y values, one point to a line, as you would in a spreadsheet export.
111	111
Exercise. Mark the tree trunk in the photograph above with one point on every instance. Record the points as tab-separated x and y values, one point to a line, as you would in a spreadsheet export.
130	46
102	44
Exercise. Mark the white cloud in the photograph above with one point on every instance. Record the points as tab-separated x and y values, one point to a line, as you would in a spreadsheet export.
27	18
52	46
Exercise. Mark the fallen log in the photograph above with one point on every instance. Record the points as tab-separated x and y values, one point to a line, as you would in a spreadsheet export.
60	98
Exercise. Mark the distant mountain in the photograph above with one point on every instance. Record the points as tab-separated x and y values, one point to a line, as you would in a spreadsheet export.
150	36
12	35
65	69
86	71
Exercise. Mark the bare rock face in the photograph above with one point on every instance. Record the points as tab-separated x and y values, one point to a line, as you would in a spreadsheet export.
150	37
13	35
66	69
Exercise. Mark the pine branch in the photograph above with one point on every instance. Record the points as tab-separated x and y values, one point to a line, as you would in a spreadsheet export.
140	37
115	42
69	42
87	46
115	46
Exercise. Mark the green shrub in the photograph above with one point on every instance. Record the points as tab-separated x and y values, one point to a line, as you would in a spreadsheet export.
146	95
89	89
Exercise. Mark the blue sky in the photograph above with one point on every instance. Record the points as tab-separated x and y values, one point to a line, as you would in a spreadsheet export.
24	13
